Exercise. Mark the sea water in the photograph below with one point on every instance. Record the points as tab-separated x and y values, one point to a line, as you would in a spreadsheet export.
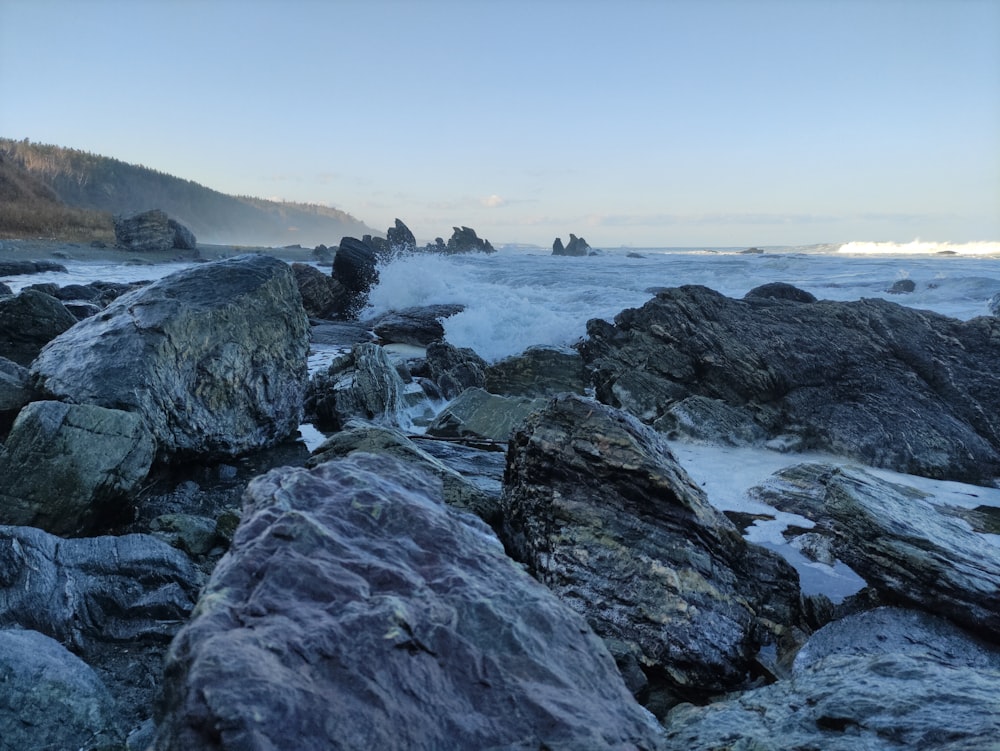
521	296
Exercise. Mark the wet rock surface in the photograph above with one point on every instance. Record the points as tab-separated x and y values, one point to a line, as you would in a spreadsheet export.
29	321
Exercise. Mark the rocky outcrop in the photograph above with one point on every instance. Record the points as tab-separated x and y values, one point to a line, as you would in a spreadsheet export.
478	414
356	609
400	238
355	269
14	268
28	322
68	468
465	240
883	680
908	549
454	369
152	231
216	358
51	698
416	326
577	246
894	387
597	507
322	295
538	371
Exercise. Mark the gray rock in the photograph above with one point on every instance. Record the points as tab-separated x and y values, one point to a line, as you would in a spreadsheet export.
96	590
780	291
700	418
888	385
416	326
321	294
152	231
577	246
28	322
69	468
400	238
465	240
455	369
878	681
597	507
51	699
195	535
355	268
355	609
538	371
476	413
213	358
15	386
15	268
902	287
908	549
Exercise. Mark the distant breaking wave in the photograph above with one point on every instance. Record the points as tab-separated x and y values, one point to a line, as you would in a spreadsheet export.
919	247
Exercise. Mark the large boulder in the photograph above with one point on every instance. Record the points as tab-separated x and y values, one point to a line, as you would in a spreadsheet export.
51	698
880	681
152	231
28	322
363	384
68	468
354	609
907	548
213	358
599	510
894	387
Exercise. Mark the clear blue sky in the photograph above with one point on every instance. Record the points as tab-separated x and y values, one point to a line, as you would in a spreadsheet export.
708	122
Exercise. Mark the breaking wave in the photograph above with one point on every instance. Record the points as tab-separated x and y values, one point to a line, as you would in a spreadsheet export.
920	247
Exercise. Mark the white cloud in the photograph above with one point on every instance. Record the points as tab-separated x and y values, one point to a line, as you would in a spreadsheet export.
493	202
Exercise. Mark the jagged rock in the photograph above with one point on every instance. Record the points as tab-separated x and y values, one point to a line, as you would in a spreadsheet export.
907	548
355	609
96	590
456	490
364	384
152	231
51	699
713	421
476	413
322	296
538	371
400	238
558	249
455	369
29	321
213	358
577	246
69	468
416	326
465	240
894	387
882	681
597	507
780	291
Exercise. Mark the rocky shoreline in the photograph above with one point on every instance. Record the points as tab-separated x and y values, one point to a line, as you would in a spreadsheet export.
534	570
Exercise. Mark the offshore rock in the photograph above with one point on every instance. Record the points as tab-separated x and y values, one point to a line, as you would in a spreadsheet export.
538	371
456	490
355	269
417	326
354	609
400	238
91	591
891	386
454	369
780	291
465	240
363	384
600	511
577	246
69	468
908	549
151	231
213	358
28	322
14	268
883	680
478	414
51	698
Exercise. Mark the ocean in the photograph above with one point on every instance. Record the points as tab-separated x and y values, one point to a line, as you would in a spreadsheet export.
524	296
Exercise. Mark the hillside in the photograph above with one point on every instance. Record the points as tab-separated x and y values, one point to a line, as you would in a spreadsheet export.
93	183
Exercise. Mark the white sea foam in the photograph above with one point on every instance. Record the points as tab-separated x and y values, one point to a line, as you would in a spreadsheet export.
920	247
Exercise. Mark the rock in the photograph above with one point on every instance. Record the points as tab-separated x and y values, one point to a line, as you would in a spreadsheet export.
417	326
465	240
478	414
28	322
195	535
597	507
357	610
355	269
907	548
538	371
456	490
779	291
364	384
69	468
152	231
455	369
16	268
577	246
318	291
15	390
400	238
902	287
870	380
97	590
51	698
216	358
698	418
880	681
751	251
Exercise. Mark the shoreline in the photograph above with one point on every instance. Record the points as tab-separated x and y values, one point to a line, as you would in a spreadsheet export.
59	250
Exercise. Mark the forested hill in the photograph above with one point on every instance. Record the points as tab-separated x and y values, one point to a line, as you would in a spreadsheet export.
98	183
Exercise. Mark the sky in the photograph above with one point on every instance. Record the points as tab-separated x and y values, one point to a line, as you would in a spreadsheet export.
628	122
